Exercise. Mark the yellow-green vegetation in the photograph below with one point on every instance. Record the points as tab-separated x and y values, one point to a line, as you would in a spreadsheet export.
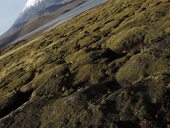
127	39
106	68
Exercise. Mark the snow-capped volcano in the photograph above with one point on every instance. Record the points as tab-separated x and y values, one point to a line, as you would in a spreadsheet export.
37	8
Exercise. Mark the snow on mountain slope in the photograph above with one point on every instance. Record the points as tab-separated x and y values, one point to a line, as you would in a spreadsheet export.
37	8
31	3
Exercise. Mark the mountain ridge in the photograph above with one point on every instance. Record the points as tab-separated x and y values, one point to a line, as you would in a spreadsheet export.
30	14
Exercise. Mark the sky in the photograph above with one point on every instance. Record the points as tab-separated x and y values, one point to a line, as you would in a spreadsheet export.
9	11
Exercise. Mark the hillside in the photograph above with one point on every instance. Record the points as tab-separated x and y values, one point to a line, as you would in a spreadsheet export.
106	68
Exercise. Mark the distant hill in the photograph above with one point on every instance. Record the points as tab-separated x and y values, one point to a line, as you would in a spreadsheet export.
36	15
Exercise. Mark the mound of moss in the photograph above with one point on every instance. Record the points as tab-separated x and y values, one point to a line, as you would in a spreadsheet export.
106	68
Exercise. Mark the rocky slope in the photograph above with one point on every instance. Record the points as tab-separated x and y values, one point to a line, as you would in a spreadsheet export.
107	68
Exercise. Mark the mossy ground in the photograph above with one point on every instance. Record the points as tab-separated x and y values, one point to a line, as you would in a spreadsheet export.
108	67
